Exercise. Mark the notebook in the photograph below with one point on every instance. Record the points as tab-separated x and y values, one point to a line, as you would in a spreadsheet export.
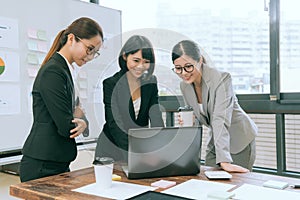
160	152
156	195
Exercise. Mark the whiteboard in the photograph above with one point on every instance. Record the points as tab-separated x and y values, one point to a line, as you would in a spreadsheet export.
26	33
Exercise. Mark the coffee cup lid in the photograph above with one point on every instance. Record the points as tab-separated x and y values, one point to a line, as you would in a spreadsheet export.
185	108
103	161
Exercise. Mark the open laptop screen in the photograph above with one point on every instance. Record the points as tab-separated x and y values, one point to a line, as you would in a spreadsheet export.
158	152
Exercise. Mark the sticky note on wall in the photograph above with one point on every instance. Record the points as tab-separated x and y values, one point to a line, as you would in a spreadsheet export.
32	59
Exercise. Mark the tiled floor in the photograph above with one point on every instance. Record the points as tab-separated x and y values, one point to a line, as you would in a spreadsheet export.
5	181
83	160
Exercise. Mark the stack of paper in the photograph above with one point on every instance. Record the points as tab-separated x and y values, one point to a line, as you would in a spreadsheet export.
250	192
197	189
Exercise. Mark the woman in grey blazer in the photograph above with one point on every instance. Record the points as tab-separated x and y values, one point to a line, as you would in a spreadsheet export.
231	135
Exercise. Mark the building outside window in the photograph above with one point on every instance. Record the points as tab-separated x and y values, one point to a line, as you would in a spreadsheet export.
235	34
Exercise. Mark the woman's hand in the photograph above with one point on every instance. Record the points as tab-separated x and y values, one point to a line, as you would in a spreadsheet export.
80	127
78	112
181	121
233	168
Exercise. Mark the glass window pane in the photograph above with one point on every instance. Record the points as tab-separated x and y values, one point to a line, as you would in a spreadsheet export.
234	33
289	46
265	140
292	139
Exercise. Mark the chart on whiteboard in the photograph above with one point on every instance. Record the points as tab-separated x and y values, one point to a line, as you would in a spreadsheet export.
9	33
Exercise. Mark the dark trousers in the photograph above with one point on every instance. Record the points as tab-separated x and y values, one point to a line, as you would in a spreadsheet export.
106	148
31	168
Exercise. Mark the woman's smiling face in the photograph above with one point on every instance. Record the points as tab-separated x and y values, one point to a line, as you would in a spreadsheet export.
188	67
136	64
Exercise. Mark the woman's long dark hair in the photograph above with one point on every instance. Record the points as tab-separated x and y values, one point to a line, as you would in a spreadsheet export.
83	27
189	48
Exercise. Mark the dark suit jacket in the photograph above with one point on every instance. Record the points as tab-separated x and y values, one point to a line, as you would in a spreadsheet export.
120	115
53	105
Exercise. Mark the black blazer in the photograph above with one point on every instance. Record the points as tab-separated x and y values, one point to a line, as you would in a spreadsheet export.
120	115
53	106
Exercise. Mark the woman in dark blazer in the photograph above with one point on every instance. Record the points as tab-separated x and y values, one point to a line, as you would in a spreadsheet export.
231	135
130	98
51	146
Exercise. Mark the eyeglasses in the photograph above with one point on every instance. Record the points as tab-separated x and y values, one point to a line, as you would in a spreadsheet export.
187	68
89	50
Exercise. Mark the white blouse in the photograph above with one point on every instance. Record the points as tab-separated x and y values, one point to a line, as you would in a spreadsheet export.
136	106
201	108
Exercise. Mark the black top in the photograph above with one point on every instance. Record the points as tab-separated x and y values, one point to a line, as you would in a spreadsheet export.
120	114
53	106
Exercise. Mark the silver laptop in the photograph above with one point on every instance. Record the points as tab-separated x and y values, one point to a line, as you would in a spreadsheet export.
159	152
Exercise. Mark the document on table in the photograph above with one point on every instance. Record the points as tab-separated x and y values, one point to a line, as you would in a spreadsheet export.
118	190
250	192
197	189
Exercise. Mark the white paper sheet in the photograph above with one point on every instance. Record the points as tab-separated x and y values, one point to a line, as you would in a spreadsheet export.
9	33
197	189
118	190
250	192
10	100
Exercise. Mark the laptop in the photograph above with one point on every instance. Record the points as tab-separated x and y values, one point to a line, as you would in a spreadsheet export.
160	152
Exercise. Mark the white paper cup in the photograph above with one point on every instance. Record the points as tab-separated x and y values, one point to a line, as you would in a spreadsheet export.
187	118
103	168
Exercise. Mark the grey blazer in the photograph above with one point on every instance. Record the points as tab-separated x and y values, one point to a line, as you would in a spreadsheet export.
230	128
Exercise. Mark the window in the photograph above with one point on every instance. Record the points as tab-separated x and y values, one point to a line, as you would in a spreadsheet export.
233	33
289	46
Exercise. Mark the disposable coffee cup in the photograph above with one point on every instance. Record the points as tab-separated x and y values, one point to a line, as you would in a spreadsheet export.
103	167
187	115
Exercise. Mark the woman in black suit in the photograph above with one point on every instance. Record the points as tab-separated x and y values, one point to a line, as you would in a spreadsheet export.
51	146
130	98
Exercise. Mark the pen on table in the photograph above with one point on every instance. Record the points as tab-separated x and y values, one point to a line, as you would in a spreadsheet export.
295	186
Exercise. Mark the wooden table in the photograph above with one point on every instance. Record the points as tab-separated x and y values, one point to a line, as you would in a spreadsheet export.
61	186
